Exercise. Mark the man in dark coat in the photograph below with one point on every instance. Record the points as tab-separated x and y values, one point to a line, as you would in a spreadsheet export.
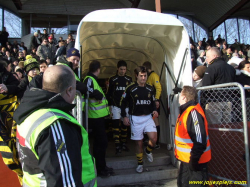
218	71
35	42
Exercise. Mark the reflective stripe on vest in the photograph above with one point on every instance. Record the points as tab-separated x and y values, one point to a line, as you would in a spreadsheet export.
59	63
183	142
35	124
96	109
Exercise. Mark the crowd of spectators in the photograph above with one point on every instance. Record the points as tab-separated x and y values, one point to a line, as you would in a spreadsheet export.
222	63
25	62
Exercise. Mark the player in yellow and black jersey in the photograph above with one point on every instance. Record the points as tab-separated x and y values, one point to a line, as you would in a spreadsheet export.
117	85
139	96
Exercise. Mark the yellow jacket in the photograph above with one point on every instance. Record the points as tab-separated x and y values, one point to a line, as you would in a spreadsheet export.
154	80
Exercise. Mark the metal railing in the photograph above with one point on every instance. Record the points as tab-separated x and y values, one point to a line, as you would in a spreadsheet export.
77	111
227	115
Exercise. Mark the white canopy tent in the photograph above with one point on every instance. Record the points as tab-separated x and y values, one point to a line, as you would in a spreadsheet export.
137	36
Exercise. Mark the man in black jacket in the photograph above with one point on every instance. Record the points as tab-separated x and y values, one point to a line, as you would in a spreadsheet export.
34	42
218	71
59	159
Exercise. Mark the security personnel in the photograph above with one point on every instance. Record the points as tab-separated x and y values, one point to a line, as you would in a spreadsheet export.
154	80
98	109
117	85
192	145
140	99
52	145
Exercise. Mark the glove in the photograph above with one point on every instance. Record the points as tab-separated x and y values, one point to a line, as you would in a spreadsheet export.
194	165
80	86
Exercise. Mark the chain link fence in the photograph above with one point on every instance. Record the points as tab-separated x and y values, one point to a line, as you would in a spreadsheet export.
228	117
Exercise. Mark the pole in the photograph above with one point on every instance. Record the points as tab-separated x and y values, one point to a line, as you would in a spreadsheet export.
158	6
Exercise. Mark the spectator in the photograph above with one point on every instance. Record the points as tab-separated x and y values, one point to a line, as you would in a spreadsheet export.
15	44
21	56
241	55
24	52
14	63
244	75
202	58
219	39
228	55
23	46
44	51
15	53
3	51
35	42
200	46
198	74
8	83
70	44
61	50
71	37
54	41
194	62
8	56
235	60
31	68
204	44
5	36
224	49
43	66
218	70
248	52
35	56
9	48
19	73
211	41
60	39
52	48
21	64
44	35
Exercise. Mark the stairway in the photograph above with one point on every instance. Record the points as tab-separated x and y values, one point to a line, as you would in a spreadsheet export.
124	167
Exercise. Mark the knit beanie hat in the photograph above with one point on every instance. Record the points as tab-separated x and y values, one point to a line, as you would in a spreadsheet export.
121	63
73	52
30	63
200	71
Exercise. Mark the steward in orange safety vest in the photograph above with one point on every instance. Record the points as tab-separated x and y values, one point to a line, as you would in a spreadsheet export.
192	145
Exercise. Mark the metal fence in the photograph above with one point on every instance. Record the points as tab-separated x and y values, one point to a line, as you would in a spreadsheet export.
82	117
77	111
228	119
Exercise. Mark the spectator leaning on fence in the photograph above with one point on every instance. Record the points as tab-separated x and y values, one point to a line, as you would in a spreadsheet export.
192	145
198	75
218	71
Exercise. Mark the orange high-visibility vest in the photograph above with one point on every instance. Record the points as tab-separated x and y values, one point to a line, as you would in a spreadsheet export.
183	142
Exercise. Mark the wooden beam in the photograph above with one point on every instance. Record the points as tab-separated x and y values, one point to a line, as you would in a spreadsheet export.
158	6
18	4
236	8
135	3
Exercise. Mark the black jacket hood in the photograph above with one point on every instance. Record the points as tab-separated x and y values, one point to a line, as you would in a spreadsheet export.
35	99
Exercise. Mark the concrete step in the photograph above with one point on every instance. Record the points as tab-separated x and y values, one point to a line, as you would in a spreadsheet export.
131	161
128	176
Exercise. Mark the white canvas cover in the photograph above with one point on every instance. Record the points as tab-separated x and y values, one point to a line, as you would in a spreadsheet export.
137	36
